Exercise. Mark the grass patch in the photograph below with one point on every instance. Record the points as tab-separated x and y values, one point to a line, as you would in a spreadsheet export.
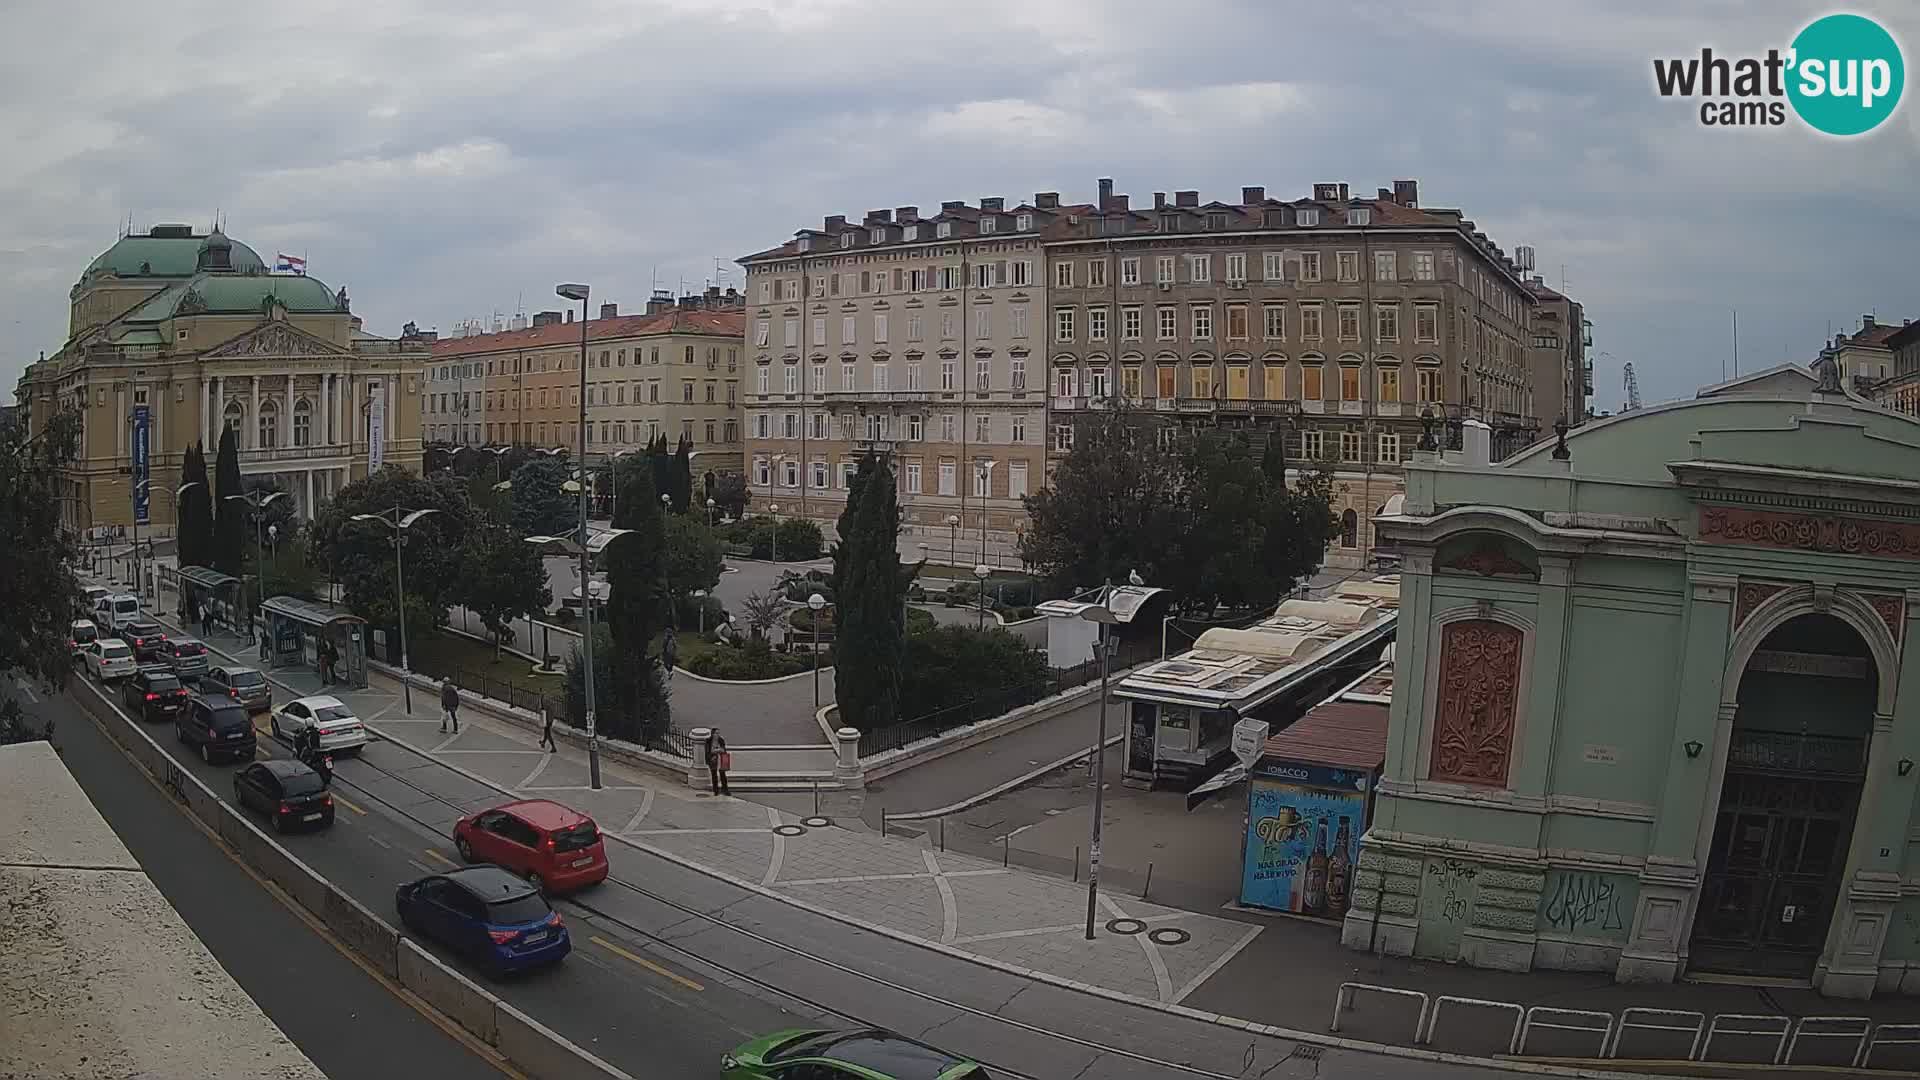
439	654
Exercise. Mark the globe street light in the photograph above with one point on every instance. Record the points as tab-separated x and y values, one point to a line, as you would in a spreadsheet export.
710	505
774	509
981	571
816	603
580	292
402	521
953	539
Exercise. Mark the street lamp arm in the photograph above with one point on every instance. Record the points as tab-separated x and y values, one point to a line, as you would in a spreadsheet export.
415	516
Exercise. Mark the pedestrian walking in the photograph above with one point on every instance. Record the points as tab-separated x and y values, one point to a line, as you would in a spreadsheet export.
450	701
206	620
719	760
546	733
327	659
669	652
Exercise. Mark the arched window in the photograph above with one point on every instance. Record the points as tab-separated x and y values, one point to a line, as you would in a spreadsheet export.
1349	529
269	425
234	416
303	423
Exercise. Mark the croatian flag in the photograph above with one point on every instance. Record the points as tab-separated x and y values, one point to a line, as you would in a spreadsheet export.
292	264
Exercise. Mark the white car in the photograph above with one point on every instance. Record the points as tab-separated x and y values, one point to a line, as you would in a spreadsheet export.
80	634
339	728
115	610
109	658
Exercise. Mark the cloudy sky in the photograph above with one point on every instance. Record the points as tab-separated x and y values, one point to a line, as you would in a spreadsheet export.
445	159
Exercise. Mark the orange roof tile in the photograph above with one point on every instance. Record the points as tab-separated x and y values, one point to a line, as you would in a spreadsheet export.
722	323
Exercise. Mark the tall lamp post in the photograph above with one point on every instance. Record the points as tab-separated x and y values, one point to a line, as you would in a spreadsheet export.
981	571
402	521
986	487
259	502
580	292
1117	607
816	604
953	539
710	505
774	509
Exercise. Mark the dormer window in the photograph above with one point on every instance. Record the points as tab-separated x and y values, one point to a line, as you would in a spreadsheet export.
805	243
943	230
988	224
1276	218
876	236
1310	215
846	239
1360	215
1216	221
1023	222
909	232
1170	223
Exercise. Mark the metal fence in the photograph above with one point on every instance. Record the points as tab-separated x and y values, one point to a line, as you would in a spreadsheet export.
541	702
987	706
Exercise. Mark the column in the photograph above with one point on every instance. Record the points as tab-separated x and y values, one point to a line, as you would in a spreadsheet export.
286	414
393	410
311	505
252	434
120	428
216	416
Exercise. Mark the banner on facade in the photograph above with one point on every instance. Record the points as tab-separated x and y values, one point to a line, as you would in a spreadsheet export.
376	427
142	428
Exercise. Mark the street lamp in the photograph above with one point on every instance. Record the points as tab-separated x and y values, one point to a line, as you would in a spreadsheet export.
774	509
710	505
580	293
1108	614
953	539
816	603
981	571
259	503
986	487
402	521
700	598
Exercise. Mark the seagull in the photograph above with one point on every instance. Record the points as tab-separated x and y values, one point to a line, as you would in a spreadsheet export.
1134	578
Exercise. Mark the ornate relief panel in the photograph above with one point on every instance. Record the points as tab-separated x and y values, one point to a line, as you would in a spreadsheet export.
1488	557
1810	532
1752	594
1892	609
1478	699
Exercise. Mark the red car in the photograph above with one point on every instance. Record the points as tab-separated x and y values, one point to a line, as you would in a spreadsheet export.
555	847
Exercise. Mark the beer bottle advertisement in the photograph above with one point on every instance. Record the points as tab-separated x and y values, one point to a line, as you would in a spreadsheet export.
1282	863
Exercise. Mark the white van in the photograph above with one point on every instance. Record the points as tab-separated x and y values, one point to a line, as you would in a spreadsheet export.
112	612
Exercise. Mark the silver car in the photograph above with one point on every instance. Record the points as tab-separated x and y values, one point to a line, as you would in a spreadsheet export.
186	657
109	658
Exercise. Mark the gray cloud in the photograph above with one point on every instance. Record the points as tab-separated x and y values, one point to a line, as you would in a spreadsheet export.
446	159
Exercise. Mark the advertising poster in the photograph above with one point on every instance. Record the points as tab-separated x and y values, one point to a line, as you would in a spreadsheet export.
142	437
376	427
1302	841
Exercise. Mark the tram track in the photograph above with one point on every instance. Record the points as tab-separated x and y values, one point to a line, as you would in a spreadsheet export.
1171	1067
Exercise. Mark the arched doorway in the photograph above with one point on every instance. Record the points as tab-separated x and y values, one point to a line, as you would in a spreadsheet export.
1795	766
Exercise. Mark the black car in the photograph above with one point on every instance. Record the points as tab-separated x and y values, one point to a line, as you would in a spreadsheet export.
219	727
153	693
145	636
288	792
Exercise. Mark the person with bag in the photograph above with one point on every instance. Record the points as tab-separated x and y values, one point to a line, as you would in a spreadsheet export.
450	701
719	760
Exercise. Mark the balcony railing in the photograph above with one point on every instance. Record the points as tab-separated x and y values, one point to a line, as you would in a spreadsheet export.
878	397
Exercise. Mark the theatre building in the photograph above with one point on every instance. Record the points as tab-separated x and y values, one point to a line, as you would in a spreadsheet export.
1652	710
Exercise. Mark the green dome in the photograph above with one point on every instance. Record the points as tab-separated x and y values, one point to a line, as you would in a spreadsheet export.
175	252
235	294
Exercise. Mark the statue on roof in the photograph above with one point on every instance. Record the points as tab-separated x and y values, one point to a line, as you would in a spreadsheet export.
340	299
1827	367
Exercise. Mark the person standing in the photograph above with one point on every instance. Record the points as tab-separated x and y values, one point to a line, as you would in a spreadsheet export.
719	760
669	652
450	701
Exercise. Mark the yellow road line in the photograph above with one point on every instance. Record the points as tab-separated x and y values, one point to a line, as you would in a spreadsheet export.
344	801
432	854
645	963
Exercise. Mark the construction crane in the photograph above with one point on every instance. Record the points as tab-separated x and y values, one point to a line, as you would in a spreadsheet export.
1632	383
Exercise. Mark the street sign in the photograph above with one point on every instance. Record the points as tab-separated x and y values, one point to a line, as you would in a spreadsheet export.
1249	739
142	420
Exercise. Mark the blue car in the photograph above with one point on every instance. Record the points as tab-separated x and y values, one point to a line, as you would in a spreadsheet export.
487	915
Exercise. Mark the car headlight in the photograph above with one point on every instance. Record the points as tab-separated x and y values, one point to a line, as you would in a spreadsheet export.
727	1061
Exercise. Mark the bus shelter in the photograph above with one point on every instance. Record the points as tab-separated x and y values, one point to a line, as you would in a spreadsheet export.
205	591
297	629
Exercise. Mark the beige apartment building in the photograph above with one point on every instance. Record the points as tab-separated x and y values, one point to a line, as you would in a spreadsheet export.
1562	373
1335	320
673	371
919	336
189	333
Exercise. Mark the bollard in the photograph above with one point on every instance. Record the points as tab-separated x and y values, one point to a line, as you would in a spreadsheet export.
943	834
816	798
1148	887
1076	862
1006	849
883	821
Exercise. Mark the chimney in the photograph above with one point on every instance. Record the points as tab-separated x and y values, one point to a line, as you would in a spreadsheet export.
1046	200
713	296
1344	197
992	203
954	204
545	318
1385	195
884	217
835	222
609	311
660	301
1476	443
1251	195
1106	191
1406	192
1866	322
1186	198
906	215
1326	192
1159	200
569	314
690	303
1120	202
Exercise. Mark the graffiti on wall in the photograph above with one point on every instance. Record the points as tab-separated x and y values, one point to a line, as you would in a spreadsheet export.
1585	903
1447	892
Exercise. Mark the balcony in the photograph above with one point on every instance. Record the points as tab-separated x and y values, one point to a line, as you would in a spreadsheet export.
878	397
1353	408
1313	406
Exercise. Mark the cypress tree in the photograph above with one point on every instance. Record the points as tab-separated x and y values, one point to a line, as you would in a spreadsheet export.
231	517
636	567
186	533
870	588
682	475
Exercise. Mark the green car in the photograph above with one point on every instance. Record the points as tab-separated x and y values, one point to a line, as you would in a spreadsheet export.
866	1054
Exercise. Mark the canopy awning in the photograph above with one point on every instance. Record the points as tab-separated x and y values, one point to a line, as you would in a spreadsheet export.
207	577
313	613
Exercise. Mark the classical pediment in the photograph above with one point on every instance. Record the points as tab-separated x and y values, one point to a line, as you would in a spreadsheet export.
275	339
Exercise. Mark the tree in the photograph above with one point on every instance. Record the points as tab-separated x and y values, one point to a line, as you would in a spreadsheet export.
1114	506
38	591
232	517
694	558
680	475
636	579
662	464
730	495
870	589
761	612
951	664
194	515
503	578
361	553
541	507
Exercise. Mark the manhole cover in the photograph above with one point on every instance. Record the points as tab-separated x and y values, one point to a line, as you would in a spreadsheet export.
1125	926
816	822
1168	935
789	830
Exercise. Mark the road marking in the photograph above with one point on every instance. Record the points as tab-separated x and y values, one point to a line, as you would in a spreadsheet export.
645	963
420	866
348	803
436	855
27	690
379	841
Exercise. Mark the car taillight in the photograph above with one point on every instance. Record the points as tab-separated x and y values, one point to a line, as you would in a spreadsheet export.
153	697
549	843
233	692
326	800
210	732
285	809
555	920
502	937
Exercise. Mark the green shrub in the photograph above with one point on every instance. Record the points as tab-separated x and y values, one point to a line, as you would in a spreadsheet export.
949	665
754	660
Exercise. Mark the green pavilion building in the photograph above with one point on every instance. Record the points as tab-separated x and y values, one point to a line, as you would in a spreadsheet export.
1652	711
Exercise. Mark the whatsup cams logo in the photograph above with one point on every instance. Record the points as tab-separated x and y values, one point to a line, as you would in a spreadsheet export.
1842	75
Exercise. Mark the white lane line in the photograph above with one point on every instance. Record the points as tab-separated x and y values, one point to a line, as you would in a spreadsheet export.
444	743
420	866
1163	980
646	804
949	909
27	690
381	713
545	760
379	841
779	854
1208	971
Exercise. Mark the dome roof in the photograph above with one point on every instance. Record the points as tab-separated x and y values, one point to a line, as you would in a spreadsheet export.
237	294
170	251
